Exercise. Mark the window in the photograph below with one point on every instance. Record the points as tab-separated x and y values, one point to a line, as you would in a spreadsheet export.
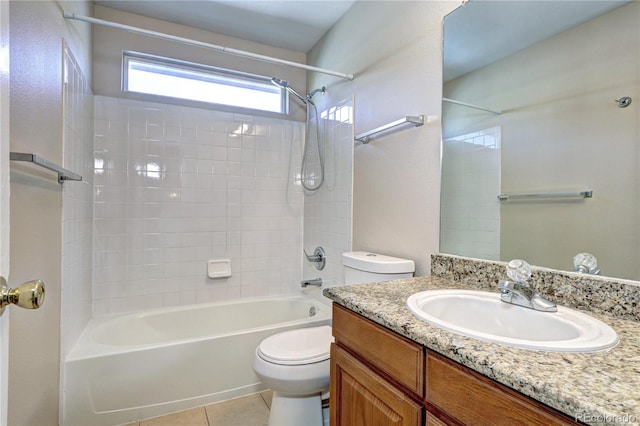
184	80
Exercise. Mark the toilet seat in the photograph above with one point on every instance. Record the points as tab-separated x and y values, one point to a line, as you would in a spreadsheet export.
297	347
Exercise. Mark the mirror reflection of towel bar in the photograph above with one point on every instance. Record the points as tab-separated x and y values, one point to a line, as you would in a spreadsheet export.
584	194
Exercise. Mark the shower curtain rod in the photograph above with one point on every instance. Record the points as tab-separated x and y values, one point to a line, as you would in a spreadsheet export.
197	43
452	101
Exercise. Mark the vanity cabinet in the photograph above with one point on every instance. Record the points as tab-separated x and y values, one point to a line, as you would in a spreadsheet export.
377	376
365	398
381	378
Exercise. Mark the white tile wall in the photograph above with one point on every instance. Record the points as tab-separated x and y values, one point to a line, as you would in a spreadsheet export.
177	186
328	211
470	185
77	203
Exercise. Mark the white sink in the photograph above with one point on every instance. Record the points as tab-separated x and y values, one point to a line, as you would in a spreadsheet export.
483	315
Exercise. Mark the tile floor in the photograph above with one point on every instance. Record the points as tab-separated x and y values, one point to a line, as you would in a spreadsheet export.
252	410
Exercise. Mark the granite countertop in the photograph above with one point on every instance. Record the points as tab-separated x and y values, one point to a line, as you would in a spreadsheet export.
596	388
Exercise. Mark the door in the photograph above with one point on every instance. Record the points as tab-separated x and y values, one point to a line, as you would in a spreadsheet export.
360	397
4	200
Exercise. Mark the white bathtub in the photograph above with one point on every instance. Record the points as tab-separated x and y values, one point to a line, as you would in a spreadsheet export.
143	365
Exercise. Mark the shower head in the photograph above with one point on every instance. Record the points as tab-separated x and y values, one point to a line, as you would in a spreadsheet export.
283	84
312	94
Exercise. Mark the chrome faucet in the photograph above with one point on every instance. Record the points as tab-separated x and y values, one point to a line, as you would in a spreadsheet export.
315	281
519	290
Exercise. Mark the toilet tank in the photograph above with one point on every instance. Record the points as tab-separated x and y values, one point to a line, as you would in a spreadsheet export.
365	267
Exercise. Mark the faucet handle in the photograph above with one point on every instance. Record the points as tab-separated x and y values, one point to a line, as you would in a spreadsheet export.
586	263
519	270
318	258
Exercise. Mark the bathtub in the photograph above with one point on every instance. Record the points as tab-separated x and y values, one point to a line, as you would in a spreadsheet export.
142	365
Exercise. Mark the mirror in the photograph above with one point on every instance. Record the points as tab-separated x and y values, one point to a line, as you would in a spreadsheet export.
530	108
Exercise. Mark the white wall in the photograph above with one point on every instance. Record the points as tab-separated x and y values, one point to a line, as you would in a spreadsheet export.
395	50
562	132
327	213
176	186
37	30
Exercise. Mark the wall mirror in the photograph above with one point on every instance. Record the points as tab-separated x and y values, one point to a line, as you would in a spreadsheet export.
542	99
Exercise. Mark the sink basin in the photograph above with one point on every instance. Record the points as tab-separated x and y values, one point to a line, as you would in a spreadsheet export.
483	315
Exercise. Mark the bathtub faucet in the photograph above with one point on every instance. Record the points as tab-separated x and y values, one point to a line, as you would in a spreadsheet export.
315	281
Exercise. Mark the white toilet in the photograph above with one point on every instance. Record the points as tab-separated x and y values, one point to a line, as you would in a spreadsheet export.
295	364
365	267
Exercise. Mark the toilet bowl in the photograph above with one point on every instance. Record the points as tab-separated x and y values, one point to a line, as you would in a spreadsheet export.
295	366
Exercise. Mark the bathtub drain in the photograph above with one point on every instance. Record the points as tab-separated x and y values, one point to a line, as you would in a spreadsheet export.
312	311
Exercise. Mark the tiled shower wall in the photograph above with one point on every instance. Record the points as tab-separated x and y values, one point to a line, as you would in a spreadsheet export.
328	211
77	203
177	186
470	211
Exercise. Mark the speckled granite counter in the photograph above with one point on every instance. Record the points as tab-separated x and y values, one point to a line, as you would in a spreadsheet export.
597	388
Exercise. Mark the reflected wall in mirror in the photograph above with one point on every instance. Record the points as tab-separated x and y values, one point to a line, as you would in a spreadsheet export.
558	129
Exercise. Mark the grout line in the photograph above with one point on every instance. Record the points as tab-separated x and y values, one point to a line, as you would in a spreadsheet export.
264	400
206	416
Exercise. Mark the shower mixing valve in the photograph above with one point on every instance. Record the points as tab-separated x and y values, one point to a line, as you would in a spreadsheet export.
318	257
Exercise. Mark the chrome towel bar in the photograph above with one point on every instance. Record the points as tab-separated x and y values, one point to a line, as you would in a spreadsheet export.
415	120
588	193
63	174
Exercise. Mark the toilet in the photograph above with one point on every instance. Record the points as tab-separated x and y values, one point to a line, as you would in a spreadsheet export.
365	267
295	364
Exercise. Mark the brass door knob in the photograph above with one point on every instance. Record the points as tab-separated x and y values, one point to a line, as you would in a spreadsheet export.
29	295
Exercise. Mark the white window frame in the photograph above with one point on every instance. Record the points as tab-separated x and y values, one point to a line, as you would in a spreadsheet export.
199	72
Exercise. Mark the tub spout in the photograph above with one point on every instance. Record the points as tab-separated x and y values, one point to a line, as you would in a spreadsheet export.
315	281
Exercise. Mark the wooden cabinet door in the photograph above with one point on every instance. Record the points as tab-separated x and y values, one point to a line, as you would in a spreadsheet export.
395	356
432	420
360	397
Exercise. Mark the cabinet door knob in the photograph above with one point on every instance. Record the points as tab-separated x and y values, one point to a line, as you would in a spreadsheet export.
29	295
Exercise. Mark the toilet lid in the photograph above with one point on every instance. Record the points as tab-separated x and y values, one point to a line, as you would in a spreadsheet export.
295	347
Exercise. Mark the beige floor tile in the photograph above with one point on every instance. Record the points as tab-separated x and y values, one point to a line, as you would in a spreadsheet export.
193	417
247	411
